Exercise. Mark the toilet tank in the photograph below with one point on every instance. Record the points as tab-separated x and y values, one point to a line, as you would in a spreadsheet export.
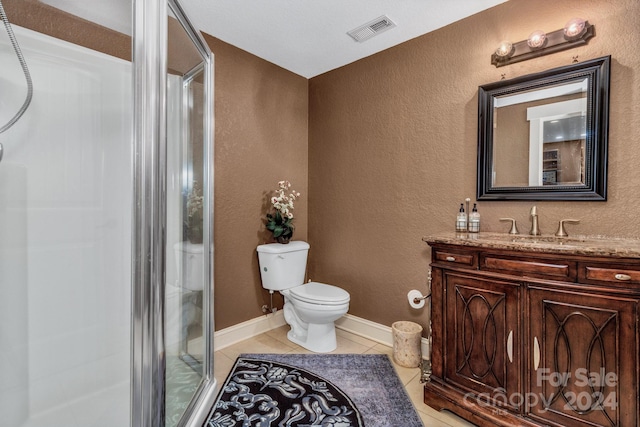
283	266
189	265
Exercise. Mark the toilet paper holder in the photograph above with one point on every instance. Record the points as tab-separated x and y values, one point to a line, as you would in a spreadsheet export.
416	300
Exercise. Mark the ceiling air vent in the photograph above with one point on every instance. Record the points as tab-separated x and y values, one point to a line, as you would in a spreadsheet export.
372	28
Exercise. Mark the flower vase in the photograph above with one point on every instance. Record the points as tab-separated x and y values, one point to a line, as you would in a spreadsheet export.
195	235
282	239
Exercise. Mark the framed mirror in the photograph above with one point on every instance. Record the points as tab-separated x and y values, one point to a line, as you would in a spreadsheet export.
544	136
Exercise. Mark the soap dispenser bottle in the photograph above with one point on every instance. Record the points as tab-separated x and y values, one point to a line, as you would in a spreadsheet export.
461	220
474	220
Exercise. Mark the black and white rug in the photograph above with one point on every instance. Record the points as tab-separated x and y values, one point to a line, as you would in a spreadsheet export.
337	390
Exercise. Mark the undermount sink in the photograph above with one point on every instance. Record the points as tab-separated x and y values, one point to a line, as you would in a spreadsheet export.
548	239
517	238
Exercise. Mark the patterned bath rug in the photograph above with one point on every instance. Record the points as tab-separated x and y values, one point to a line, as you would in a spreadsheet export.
337	390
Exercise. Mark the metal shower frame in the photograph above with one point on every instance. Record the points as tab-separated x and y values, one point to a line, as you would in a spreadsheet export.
149	218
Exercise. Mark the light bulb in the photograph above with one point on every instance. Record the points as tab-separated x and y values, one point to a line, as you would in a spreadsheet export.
574	28
504	49
536	39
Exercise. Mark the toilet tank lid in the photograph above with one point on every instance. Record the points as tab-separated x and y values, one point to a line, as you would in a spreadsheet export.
279	248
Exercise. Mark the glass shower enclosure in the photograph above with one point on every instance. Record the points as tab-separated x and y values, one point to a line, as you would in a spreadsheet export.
106	294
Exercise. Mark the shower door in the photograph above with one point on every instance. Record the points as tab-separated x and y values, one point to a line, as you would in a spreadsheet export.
188	302
83	341
173	273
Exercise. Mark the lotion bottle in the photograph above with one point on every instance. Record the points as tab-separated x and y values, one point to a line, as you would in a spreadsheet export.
474	220
461	219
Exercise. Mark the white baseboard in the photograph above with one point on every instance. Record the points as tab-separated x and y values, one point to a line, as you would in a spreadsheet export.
242	331
374	331
365	328
356	325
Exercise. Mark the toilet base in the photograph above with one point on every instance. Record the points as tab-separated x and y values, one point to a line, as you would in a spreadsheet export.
319	338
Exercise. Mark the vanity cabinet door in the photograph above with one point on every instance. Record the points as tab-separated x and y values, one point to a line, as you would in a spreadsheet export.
583	359
482	338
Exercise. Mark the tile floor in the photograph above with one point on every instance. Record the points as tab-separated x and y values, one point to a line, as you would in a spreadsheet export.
275	341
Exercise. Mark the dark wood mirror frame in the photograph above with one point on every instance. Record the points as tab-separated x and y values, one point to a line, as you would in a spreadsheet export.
594	187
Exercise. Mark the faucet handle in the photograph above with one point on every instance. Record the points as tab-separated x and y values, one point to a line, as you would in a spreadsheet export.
514	229
561	231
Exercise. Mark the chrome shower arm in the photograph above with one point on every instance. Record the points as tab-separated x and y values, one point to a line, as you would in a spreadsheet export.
25	70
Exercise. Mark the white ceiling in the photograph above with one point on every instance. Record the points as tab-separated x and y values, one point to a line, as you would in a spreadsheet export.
307	37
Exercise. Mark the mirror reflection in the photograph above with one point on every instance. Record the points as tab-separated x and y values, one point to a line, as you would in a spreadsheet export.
540	136
544	136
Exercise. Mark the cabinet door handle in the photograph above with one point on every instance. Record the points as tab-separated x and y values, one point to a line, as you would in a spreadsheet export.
536	354
510	346
623	277
450	258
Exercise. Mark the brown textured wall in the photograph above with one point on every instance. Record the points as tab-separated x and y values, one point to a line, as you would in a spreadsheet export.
261	137
392	148
511	146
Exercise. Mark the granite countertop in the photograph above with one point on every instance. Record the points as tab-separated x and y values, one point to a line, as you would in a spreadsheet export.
572	245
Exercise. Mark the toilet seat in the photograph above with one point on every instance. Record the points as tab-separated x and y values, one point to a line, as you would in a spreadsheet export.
319	293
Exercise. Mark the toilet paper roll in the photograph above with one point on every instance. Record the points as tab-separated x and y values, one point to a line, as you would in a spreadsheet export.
415	294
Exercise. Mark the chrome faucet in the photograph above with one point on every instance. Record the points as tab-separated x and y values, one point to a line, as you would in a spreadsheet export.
535	230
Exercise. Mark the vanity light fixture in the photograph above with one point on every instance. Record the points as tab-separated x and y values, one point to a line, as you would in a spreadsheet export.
505	49
575	33
536	39
574	28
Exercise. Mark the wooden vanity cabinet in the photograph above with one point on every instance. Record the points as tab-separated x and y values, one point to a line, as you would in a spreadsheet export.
483	315
534	338
584	335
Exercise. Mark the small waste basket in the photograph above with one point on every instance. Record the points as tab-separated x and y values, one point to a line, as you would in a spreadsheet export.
406	344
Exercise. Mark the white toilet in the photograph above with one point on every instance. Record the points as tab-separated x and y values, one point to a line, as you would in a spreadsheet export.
189	258
309	308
